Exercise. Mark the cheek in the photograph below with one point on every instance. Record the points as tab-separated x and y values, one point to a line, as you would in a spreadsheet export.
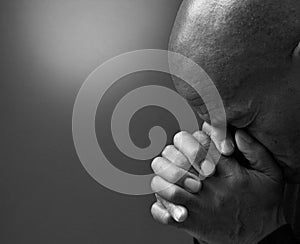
240	115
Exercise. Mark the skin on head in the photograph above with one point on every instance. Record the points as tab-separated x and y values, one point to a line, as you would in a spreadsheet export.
247	49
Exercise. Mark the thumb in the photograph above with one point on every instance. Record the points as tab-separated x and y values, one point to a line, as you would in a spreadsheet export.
257	155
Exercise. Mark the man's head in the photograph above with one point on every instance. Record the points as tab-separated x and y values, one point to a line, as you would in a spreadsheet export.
248	48
242	45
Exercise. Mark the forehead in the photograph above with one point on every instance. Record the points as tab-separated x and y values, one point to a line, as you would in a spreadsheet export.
227	91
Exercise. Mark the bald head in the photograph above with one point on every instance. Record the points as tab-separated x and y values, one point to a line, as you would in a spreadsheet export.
234	40
249	49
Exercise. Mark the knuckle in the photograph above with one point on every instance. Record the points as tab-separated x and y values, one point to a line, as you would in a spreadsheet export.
179	136
156	163
154	183
176	175
182	162
167	150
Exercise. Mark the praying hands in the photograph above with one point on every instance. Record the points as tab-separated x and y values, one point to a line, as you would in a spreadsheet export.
218	202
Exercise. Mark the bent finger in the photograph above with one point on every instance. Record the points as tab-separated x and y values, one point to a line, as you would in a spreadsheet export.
161	214
176	157
191	148
221	138
172	193
173	174
178	213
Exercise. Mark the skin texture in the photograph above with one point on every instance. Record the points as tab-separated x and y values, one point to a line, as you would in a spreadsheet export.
228	208
247	49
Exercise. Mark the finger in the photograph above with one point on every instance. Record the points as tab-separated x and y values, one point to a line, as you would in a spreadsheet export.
172	193
190	147
225	166
173	174
222	140
161	214
259	157
202	138
195	153
208	165
178	213
177	158
209	146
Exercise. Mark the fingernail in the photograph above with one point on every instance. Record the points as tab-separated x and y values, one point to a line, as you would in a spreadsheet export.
180	214
227	147
245	137
207	168
192	185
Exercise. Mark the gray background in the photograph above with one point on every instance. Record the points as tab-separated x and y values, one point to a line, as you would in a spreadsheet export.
47	50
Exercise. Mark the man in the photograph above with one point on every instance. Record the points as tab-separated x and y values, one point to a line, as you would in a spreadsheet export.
249	49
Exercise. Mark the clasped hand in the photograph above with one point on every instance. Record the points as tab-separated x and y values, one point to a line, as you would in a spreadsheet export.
213	198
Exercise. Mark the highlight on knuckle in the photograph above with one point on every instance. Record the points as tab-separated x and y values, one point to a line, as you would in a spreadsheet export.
167	150
156	163
179	136
182	162
176	175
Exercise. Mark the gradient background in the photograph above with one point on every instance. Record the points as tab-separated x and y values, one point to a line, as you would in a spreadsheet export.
48	48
